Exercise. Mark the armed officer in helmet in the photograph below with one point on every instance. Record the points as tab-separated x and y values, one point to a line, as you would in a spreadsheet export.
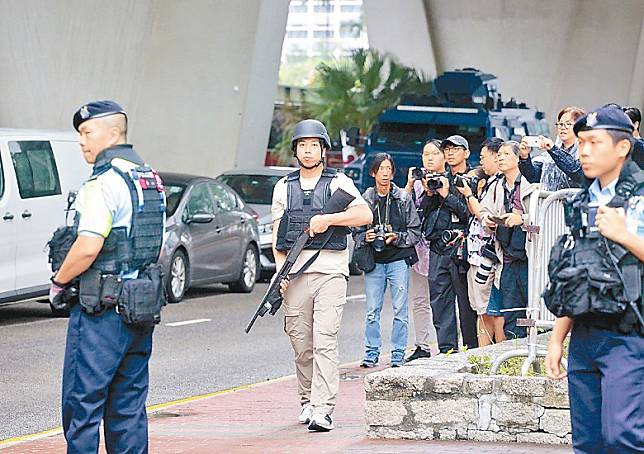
596	282
313	301
119	227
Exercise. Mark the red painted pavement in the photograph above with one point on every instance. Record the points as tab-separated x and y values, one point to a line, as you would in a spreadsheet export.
263	419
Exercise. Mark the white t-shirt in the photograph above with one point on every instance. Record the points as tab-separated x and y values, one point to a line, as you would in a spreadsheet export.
329	262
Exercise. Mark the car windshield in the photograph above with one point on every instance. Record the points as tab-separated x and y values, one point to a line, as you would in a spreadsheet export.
173	193
256	189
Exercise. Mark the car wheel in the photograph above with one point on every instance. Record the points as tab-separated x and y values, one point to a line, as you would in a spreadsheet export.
177	277
59	312
248	274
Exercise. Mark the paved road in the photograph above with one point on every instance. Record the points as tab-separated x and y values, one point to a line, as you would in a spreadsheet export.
187	360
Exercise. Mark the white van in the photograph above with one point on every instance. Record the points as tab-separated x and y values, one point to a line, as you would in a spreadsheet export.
37	171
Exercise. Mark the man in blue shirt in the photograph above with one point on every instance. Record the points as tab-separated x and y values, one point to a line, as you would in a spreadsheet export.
605	367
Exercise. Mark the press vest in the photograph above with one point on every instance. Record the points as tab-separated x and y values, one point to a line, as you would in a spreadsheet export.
592	277
301	206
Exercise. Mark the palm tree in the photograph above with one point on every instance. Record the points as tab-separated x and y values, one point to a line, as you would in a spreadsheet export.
352	92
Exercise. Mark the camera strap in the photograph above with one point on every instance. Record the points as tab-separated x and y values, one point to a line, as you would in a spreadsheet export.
387	209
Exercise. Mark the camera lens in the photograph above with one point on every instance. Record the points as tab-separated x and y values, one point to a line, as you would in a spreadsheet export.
483	273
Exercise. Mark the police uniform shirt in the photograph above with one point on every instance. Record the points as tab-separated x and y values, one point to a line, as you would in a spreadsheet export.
329	262
601	196
104	203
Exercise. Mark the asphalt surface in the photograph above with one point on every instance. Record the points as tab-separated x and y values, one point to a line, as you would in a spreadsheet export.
187	360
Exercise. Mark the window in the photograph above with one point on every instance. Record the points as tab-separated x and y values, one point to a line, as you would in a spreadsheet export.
350	8
256	189
323	33
323	7
350	30
173	193
224	199
296	34
297	7
199	202
35	168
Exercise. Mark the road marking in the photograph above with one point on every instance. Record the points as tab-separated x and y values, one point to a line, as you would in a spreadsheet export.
8	325
189	322
357	297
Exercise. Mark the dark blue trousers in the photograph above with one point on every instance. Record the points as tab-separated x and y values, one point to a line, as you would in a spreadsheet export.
105	377
606	388
514	290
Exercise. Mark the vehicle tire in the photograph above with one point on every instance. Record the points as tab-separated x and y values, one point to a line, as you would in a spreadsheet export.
178	273
248	273
63	313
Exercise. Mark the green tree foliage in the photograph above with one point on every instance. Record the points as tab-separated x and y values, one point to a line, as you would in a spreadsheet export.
352	92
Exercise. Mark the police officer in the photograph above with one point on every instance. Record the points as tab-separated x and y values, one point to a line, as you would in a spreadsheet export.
313	302
119	222
605	363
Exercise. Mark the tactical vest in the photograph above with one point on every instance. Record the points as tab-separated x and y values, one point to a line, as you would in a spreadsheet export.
122	253
591	276
301	206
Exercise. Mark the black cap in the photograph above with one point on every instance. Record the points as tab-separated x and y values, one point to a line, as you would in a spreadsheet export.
96	109
606	117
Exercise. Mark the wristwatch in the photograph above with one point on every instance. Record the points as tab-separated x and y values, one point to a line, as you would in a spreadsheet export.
468	197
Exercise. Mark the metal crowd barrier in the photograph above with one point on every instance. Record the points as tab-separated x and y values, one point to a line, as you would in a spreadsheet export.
546	224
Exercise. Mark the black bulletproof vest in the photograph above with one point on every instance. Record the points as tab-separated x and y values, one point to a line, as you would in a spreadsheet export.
591	276
301	206
122	252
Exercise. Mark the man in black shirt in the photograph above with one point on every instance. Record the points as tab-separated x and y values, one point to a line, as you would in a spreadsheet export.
444	228
391	239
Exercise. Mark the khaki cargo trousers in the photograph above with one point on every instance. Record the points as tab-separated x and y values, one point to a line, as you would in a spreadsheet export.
313	305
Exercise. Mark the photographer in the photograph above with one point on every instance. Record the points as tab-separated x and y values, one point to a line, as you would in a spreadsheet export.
481	253
444	228
391	239
425	333
504	209
558	167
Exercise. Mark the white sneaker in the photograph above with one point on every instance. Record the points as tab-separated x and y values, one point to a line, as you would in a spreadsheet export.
321	423
306	414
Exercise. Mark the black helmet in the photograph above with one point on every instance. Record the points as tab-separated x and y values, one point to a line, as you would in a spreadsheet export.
310	128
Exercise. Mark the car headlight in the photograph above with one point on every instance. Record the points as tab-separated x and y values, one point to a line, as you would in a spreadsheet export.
265	228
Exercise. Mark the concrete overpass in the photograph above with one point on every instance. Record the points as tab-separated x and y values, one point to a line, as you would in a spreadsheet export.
548	53
199	77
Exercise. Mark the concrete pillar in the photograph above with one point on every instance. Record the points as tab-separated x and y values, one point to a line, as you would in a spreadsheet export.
401	29
198	77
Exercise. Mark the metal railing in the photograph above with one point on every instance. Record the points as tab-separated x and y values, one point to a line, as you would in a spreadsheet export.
546	224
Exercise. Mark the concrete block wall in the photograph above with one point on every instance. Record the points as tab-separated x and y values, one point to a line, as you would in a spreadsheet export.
439	398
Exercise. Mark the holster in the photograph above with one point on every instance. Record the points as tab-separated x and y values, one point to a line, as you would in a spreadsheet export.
142	299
